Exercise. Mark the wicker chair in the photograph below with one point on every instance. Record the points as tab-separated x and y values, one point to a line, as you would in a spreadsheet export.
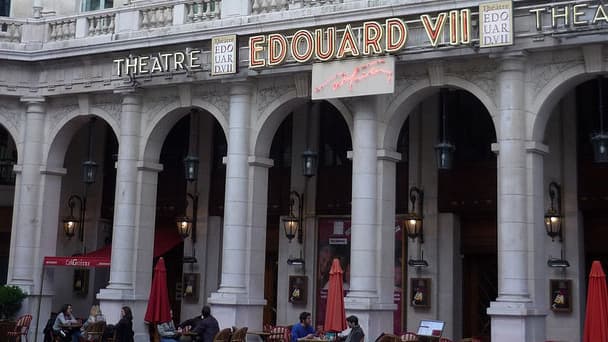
21	328
279	334
223	335
94	331
240	335
388	338
409	337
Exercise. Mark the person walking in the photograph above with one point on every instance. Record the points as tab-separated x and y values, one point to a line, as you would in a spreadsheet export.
124	328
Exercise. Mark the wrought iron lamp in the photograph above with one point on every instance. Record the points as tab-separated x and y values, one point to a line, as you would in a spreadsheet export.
186	225
413	220
444	150
292	223
599	140
553	218
71	224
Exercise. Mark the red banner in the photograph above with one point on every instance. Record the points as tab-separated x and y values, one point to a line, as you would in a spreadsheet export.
76	261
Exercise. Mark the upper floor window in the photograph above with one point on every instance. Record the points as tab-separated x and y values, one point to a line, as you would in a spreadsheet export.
5	8
93	5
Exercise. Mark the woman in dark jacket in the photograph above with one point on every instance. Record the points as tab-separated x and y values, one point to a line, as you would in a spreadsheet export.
124	329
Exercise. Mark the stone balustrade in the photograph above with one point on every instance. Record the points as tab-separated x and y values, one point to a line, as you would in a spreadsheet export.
202	10
267	6
10	30
156	17
101	24
63	29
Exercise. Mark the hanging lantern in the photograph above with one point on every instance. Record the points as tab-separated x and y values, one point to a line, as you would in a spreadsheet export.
191	168
444	150
309	163
599	140
184	226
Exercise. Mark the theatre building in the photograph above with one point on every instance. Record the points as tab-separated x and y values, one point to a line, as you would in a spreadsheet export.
450	154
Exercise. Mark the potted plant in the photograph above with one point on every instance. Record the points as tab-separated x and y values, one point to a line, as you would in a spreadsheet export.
10	300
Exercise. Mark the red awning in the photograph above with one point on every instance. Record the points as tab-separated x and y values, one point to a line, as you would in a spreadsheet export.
164	241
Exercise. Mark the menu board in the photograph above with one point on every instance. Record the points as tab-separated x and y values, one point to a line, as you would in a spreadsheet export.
430	328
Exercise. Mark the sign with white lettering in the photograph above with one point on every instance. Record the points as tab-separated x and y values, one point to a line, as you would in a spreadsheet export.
223	49
496	24
368	76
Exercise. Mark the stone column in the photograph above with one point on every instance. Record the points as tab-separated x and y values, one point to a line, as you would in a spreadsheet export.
27	223
362	298
232	300
133	233
511	312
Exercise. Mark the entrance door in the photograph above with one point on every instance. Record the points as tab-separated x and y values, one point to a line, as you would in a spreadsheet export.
480	274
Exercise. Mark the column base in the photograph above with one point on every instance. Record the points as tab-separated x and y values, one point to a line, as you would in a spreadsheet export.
239	310
374	318
111	302
513	321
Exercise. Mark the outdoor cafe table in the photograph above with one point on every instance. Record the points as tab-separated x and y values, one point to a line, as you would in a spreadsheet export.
263	334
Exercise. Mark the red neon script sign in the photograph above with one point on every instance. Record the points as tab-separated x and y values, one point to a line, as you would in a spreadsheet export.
358	74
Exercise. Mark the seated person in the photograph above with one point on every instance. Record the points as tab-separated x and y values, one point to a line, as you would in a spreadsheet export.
65	318
356	333
94	317
166	330
303	329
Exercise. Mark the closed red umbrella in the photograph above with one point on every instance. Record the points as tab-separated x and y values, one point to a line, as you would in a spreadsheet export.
596	317
158	310
335	317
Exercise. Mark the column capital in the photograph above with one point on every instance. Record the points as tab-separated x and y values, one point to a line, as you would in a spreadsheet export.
128	90
240	88
32	99
512	61
537	148
149	166
387	155
260	161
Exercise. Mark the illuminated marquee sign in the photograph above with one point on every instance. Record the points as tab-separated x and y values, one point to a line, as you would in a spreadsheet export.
324	44
571	13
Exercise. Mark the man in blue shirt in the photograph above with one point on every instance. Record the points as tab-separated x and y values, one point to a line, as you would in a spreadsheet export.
303	329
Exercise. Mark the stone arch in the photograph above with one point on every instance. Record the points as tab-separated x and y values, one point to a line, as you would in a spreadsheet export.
13	132
61	135
400	108
270	120
548	97
154	136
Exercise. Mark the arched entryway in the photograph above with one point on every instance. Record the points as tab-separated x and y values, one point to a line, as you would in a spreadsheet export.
8	158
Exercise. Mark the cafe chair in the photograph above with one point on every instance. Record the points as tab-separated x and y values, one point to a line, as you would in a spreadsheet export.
388	338
21	328
279	334
445	339
223	335
94	332
409	337
240	335
267	328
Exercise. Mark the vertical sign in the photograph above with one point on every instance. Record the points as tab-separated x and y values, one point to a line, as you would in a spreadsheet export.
496	27
223	51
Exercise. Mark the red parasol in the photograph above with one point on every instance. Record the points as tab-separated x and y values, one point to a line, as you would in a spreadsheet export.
596	317
158	310
335	317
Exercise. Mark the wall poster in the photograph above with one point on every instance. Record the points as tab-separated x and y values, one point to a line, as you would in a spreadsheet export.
334	242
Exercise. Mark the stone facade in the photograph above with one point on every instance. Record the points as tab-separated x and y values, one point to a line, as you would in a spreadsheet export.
56	71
